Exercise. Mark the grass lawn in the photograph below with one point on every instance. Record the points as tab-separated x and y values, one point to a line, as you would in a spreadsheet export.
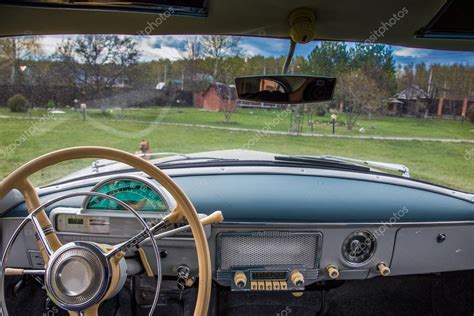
442	163
257	118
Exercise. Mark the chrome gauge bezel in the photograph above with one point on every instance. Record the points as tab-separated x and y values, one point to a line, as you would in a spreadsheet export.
349	259
167	198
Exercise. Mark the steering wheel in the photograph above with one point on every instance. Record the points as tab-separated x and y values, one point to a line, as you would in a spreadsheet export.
107	261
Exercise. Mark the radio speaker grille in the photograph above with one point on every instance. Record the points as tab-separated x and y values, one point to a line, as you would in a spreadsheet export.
268	248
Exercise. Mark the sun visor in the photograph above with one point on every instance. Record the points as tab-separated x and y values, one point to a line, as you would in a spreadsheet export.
178	7
454	21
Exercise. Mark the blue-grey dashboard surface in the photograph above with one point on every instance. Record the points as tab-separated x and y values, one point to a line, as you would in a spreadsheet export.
254	197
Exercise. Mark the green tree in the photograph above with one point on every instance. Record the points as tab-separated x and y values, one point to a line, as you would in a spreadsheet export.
375	61
329	59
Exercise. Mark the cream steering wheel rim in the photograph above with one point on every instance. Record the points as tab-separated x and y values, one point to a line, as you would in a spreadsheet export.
19	180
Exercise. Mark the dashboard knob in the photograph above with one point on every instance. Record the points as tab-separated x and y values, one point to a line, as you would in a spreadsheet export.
383	269
240	280
332	271
297	278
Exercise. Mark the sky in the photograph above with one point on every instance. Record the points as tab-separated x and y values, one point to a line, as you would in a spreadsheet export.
172	47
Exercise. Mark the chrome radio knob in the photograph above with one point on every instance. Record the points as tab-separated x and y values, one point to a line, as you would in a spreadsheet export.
240	280
297	278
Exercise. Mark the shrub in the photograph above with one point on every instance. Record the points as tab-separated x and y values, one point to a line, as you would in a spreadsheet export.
51	104
18	103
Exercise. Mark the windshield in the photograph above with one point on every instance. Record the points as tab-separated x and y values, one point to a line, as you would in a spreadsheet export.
176	94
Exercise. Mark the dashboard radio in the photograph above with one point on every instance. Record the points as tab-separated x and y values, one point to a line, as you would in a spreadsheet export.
265	279
268	260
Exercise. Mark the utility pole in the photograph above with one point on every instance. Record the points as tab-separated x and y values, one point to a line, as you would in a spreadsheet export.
164	75
429	82
430	96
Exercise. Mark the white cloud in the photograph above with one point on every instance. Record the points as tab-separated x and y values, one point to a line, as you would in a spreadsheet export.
49	43
145	46
252	50
149	52
410	52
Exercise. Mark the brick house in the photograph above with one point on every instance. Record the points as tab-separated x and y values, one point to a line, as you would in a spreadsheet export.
416	101
218	97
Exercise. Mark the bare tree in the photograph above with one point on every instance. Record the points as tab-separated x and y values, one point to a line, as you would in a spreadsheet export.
228	106
192	54
218	47
360	93
15	49
98	60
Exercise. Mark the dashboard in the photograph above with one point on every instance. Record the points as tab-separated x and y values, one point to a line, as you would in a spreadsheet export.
282	231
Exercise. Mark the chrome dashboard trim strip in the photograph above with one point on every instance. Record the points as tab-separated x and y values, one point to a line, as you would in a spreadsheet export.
318	225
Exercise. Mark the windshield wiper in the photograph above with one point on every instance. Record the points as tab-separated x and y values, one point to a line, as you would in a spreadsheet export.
193	159
323	163
347	163
376	164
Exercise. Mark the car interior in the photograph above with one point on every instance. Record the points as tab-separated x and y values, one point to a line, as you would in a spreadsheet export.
236	232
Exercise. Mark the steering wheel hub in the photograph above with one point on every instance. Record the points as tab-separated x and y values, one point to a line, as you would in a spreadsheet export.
78	275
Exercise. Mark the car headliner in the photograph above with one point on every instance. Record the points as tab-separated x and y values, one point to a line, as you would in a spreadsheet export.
343	20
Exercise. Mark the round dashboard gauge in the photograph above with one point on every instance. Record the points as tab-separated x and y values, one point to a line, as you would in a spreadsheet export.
358	247
139	193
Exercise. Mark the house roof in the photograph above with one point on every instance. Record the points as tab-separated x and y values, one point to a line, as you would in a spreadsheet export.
394	100
225	91
413	92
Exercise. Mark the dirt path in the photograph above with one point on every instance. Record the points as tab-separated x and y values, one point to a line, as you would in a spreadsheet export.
272	132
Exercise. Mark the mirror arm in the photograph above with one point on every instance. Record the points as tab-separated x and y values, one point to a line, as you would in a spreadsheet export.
289	57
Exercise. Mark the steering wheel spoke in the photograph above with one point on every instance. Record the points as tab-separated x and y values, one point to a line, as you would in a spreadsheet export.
41	236
136	240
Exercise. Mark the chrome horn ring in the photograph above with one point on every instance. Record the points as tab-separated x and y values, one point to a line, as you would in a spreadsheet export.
91	248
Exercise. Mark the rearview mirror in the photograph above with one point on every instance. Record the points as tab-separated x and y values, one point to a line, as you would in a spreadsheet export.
285	89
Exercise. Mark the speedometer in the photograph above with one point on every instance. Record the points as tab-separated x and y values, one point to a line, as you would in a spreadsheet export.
137	192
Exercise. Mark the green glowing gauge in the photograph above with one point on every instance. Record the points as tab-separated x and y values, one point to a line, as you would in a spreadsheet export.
139	193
